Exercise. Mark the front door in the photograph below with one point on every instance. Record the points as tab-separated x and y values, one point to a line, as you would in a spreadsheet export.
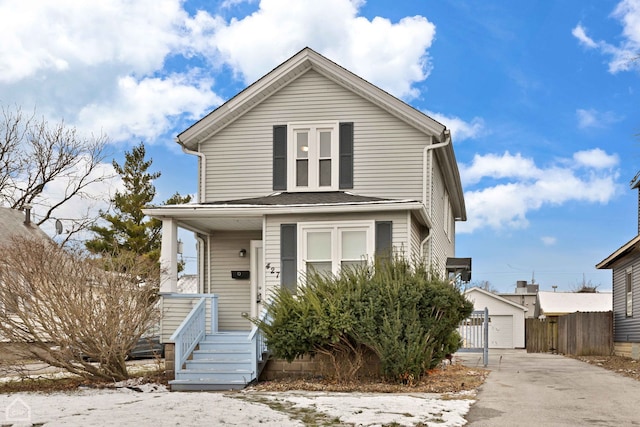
256	277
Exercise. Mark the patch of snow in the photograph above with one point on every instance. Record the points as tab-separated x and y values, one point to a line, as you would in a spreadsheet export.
131	404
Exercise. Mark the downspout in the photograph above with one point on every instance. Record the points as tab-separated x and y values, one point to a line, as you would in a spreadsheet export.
423	243
208	263
200	262
201	168
428	174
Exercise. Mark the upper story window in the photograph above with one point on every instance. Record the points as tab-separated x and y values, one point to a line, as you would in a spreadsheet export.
314	156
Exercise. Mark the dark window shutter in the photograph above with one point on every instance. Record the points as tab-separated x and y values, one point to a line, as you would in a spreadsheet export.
346	156
280	157
384	230
288	259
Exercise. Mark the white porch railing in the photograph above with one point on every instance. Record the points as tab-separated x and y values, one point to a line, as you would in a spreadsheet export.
258	343
193	328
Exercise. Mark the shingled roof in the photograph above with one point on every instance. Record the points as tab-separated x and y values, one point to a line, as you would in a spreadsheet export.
311	198
12	224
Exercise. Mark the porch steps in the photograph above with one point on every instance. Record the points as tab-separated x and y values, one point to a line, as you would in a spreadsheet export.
222	362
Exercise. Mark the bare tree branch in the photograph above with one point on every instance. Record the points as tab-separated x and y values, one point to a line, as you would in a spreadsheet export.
34	154
71	313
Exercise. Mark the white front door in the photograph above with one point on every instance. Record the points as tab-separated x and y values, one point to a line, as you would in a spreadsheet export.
256	275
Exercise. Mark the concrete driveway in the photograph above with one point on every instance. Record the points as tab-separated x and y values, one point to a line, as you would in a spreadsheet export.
529	389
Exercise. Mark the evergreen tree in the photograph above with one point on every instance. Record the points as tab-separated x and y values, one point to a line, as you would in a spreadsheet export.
128	229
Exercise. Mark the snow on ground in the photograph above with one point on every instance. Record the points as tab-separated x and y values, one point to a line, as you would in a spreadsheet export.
154	405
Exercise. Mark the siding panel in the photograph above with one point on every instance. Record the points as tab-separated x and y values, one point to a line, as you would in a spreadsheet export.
400	238
626	329
234	296
387	153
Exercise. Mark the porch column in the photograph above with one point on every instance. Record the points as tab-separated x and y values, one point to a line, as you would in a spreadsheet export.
169	256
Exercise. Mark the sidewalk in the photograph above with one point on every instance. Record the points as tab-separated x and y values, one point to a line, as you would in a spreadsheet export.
549	390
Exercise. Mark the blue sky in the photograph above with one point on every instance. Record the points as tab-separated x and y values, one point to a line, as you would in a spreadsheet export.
541	98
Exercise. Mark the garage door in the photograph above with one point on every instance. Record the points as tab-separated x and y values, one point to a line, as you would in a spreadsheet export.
500	331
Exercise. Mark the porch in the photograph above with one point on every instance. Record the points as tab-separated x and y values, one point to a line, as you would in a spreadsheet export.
201	356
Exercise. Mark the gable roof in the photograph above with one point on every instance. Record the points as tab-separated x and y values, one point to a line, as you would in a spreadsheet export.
308	59
559	303
623	251
12	224
495	296
303	61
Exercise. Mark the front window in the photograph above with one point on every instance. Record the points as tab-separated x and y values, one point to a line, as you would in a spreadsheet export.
314	164
326	247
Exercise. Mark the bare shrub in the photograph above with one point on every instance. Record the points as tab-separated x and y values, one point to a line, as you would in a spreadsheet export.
74	313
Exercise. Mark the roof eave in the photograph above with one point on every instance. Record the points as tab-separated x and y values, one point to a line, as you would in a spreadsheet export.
623	250
287	72
197	210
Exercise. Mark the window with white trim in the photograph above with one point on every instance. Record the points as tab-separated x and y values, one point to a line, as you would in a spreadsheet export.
628	291
326	247
313	156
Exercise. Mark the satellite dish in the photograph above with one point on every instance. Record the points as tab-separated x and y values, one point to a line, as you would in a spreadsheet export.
58	226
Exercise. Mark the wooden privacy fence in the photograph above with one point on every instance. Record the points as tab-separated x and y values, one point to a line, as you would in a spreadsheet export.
577	334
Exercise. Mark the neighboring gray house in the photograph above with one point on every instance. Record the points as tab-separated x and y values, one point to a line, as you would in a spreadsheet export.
309	167
625	266
15	223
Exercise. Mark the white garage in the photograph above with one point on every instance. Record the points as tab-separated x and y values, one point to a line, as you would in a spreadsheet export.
506	318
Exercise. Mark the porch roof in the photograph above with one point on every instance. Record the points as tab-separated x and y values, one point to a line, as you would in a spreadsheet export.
248	214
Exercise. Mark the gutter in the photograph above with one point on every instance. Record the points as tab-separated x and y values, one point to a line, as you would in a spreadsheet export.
202	166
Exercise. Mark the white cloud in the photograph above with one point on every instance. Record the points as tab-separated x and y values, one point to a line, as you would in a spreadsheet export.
498	166
623	54
586	118
144	108
89	203
522	186
595	119
390	55
134	69
460	130
580	33
548	240
596	158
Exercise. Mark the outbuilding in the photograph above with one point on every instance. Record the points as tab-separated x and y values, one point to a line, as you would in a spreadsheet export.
506	318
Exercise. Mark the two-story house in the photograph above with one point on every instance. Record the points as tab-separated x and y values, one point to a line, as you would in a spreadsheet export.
309	167
625	266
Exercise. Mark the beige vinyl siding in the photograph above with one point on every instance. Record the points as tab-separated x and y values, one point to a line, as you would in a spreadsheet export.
234	296
387	152
442	245
417	234
400	239
175	309
204	268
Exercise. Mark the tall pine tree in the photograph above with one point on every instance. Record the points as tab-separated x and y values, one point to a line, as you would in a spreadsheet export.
128	229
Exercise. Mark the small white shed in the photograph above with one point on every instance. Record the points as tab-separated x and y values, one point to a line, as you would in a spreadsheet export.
506	318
